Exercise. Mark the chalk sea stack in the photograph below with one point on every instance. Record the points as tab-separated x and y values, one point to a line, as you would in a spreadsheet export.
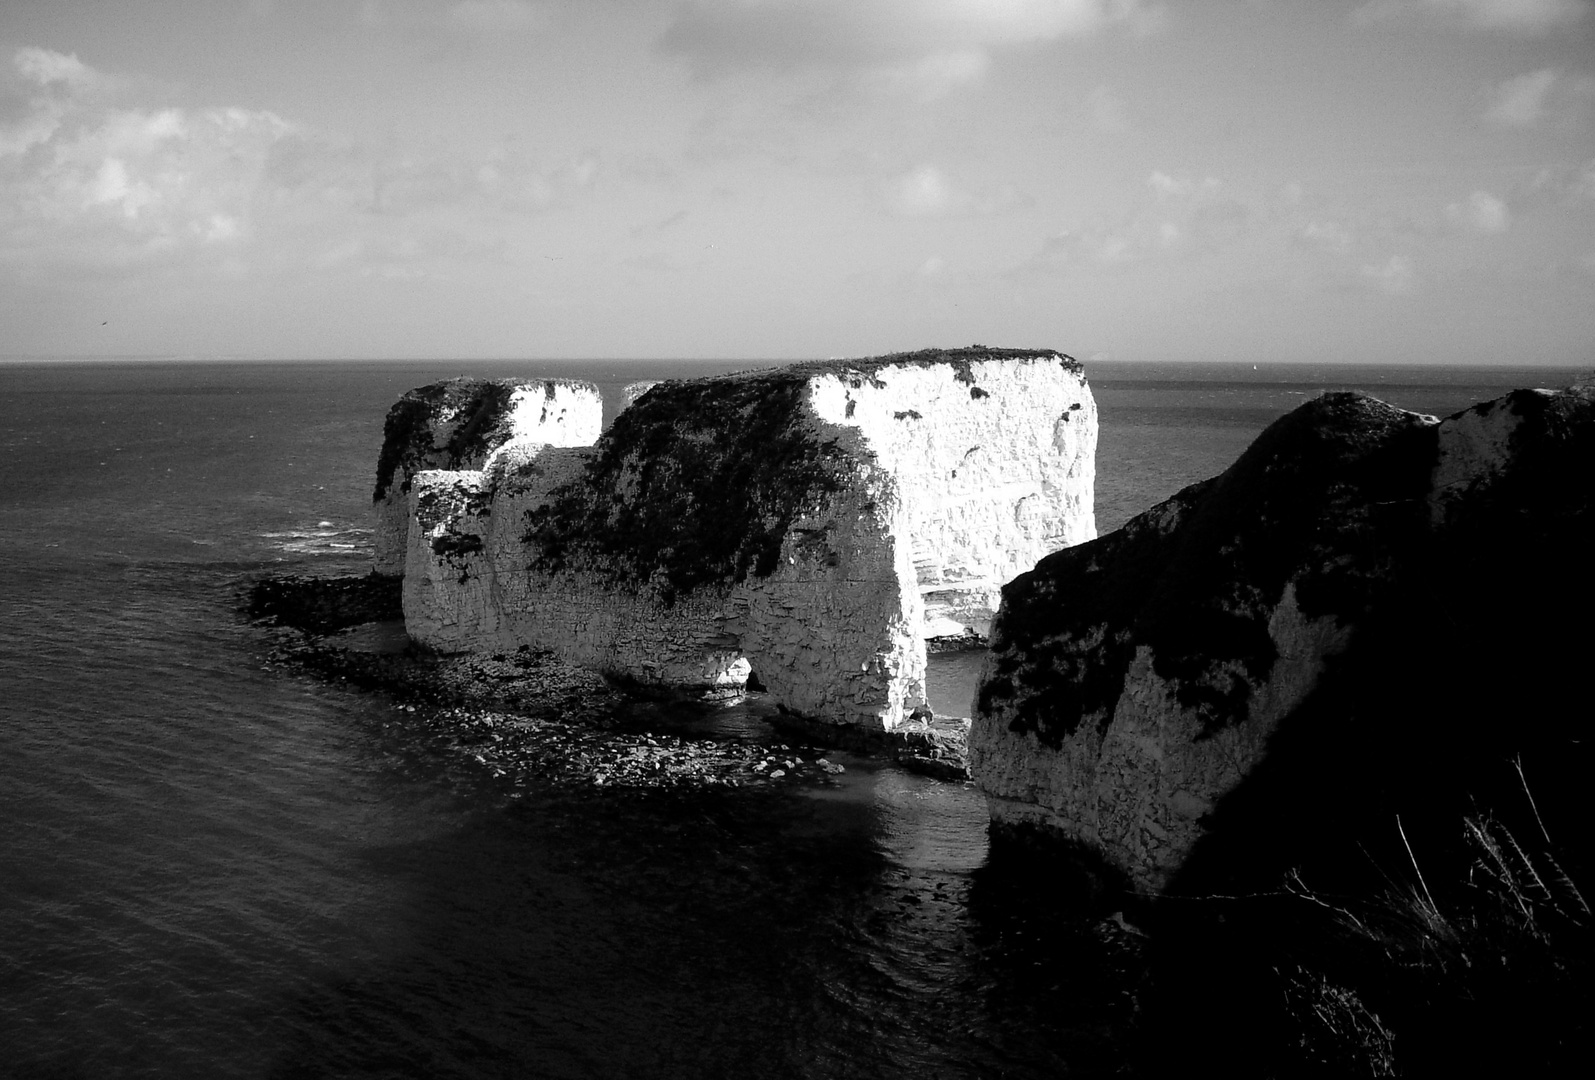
455	424
1346	642
810	524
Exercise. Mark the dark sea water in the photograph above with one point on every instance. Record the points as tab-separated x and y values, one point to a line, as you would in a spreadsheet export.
212	868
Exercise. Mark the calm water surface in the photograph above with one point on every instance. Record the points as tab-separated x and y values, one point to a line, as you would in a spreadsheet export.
215	869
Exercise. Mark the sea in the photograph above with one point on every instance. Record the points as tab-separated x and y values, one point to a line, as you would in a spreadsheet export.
215	866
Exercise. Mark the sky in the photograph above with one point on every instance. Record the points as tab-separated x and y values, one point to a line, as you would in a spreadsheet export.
1368	181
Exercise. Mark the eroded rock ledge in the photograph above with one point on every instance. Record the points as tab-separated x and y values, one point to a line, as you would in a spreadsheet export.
1359	624
809	524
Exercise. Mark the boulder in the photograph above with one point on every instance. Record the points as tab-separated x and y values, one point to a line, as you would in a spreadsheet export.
1373	621
799	522
455	425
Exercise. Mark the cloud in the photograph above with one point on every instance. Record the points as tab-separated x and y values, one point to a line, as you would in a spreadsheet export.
91	183
1178	217
925	192
1520	101
1107	111
1482	213
928	192
722	35
1394	277
44	67
932	76
1324	234
87	183
1541	98
494	16
1516	16
1584	185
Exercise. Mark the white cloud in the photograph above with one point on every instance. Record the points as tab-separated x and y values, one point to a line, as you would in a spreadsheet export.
1585	184
1548	99
932	76
44	67
1519	16
30	131
95	184
494	16
1393	277
1180	217
1107	111
1520	101
928	192
925	192
1325	234
1170	187
1483	213
719	35
92	186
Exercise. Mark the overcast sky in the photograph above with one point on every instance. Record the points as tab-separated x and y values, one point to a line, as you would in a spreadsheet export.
1305	180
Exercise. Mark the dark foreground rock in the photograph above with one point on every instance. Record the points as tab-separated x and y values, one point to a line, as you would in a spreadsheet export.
1370	616
1331	707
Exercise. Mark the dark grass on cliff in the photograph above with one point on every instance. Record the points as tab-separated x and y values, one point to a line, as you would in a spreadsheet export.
1432	886
700	481
1486	970
407	434
959	359
1327	495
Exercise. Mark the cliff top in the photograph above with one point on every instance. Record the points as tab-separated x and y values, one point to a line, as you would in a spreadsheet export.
407	436
869	365
727	463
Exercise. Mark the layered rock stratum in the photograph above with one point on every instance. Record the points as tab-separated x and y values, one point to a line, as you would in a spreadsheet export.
1347	639
809	524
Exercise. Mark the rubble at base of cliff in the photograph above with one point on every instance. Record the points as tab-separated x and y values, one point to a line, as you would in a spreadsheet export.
528	715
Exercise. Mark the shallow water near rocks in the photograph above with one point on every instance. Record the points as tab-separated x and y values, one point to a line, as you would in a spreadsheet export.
215	868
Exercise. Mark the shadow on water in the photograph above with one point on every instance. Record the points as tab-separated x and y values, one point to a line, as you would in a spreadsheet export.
849	930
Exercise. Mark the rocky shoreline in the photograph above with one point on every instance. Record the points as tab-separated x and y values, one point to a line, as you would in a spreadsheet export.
528	714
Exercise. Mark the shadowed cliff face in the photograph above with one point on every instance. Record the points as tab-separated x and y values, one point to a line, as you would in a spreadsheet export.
1320	500
1369	615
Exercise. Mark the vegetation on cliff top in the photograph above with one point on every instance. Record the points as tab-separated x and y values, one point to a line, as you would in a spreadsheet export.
1486	969
700	480
484	408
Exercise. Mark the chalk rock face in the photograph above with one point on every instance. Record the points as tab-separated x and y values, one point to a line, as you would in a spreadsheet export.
455	425
796	522
632	391
1321	632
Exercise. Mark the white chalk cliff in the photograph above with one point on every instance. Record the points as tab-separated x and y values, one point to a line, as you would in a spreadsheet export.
806	523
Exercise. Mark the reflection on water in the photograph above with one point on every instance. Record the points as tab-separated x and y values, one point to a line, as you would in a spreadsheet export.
950	681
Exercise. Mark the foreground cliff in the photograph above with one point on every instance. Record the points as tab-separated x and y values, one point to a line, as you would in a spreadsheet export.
807	524
1341	642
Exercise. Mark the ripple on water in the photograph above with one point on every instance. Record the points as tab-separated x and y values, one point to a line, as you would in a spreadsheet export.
322	538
